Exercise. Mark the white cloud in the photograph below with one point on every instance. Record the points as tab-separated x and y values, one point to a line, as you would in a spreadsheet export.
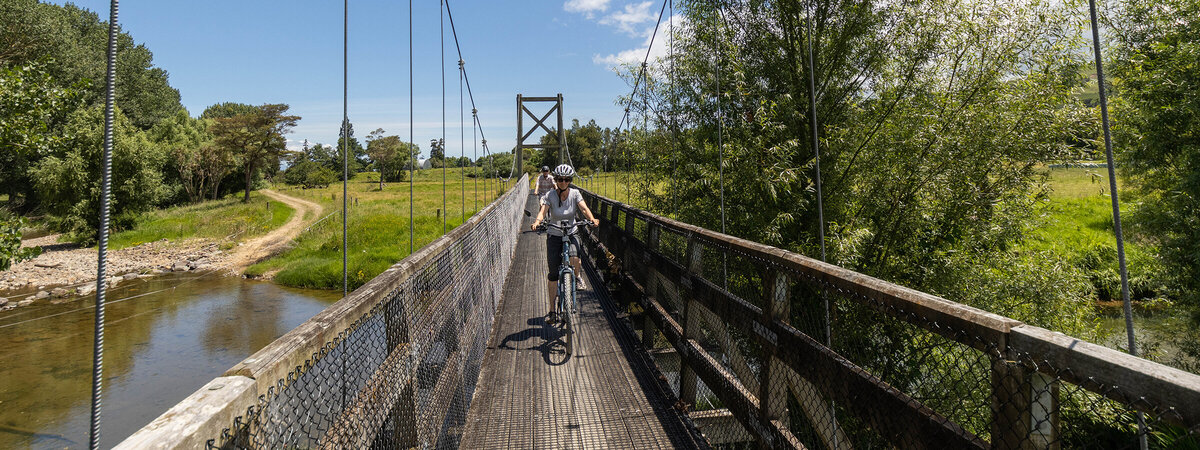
628	19
660	50
587	7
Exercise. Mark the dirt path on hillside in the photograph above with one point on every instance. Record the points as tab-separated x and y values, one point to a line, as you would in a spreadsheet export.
273	243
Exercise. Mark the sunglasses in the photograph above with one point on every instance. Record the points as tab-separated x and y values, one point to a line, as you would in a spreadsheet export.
562	179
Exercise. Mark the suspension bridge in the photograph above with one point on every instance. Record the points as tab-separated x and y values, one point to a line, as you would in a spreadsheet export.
690	338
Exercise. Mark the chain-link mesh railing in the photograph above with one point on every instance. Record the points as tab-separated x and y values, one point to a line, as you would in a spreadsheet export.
767	347
393	365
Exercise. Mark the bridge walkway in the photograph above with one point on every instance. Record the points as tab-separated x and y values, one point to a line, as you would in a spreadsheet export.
531	394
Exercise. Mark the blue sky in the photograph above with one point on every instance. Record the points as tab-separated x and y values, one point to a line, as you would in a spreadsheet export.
255	52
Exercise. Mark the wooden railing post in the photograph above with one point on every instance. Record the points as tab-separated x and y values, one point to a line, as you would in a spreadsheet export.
404	425
1025	410
691	321
649	333
773	384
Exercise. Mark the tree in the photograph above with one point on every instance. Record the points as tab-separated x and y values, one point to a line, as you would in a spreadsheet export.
10	242
225	110
358	155
77	41
437	152
1157	118
31	104
386	151
68	180
255	137
933	117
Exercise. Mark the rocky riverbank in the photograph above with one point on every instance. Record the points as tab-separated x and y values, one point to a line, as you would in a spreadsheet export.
63	270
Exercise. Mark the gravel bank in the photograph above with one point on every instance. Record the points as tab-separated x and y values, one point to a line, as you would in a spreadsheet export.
64	269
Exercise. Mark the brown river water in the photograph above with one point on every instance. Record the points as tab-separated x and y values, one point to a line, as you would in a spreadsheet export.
164	338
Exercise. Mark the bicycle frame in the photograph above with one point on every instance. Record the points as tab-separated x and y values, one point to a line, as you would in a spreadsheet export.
567	301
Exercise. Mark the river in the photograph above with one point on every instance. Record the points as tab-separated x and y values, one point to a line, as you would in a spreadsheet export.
164	338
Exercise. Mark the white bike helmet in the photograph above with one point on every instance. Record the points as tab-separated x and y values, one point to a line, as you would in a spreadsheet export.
564	170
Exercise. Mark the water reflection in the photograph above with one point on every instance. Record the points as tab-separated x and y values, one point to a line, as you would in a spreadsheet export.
164	338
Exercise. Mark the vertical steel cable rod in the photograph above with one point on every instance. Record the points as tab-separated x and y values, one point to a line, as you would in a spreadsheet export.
102	247
674	107
442	41
462	142
1116	206
812	104
475	154
345	169
412	143
721	147
345	137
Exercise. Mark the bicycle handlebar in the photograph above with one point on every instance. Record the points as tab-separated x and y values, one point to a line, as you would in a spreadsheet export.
566	226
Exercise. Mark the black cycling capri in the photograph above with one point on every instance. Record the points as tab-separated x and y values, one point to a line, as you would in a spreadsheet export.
554	253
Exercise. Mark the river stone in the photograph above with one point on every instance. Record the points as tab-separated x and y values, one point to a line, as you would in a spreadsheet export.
59	292
38	296
3	302
131	276
180	266
86	289
26	302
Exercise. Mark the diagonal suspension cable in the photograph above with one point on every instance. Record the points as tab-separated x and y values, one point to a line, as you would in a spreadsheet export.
470	93
636	83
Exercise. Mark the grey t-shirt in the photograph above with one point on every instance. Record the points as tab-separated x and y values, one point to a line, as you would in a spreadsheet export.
561	210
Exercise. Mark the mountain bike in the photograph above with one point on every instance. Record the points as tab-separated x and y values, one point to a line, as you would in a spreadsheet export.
567	298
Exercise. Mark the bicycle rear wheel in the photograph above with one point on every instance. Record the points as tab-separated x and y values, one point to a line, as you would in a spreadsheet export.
566	299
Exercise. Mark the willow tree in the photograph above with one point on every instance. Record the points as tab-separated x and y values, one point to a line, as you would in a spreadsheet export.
933	117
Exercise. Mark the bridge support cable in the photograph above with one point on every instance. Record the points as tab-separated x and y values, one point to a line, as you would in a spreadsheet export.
1116	206
345	139
674	124
102	247
462	143
442	143
721	140
345	165
637	83
412	143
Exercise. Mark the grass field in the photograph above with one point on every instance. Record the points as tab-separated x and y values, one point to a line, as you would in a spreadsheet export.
225	219
1078	225
378	226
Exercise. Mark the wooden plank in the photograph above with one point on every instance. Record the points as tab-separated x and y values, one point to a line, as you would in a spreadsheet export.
1168	393
720	427
199	417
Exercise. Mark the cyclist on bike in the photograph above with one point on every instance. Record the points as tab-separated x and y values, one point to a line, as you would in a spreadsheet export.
562	203
545	182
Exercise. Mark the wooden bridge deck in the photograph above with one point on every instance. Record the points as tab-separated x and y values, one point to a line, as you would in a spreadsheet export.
531	394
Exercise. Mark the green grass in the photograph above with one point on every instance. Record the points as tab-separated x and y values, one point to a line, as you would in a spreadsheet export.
378	226
612	185
1078	226
225	219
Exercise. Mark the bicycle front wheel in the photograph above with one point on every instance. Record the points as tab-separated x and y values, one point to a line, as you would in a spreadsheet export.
567	299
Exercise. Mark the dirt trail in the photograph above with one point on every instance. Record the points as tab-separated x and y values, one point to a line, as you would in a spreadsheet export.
263	247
